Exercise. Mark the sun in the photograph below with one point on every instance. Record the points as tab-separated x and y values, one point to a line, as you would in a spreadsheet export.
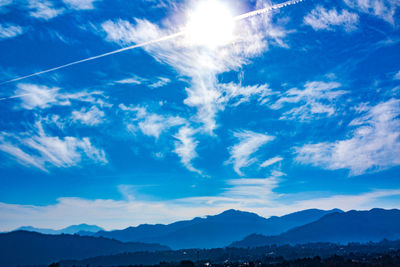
210	24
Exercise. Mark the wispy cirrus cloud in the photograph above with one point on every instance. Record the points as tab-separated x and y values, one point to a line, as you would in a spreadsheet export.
383	9
160	82
43	9
132	80
249	143
374	145
317	98
153	83
9	30
93	116
40	96
322	19
271	161
80	4
150	124
185	147
238	94
253	191
154	124
38	149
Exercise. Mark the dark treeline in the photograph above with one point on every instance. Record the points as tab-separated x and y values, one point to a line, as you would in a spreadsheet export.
314	254
386	260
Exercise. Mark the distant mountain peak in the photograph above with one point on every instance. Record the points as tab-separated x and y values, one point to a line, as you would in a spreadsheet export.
233	212
73	229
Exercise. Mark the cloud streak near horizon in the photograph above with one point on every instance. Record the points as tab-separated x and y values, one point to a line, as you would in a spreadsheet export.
252	195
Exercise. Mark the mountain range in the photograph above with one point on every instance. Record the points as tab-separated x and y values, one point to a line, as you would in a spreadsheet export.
214	231
73	229
308	226
340	227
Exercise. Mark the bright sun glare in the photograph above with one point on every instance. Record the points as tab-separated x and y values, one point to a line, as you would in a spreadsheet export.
211	24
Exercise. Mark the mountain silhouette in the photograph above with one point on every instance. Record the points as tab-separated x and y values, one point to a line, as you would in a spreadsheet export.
73	229
214	231
30	248
353	226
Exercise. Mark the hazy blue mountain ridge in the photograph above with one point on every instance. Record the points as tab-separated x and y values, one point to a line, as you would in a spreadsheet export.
73	229
214	231
352	226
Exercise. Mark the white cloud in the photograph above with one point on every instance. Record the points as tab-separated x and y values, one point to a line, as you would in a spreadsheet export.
238	94
132	80
44	9
374	144
249	143
200	64
40	96
38	149
322	19
36	96
91	117
56	120
244	194
155	83
383	9
271	161
397	75
277	173
185	147
80	4
161	82
150	124
317	98
141	111
154	124
252	191
9	30
13	150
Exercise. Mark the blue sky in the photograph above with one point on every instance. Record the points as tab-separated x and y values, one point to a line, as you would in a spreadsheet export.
296	108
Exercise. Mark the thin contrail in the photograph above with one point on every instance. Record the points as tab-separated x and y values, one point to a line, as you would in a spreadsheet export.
96	57
165	38
267	9
14	96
